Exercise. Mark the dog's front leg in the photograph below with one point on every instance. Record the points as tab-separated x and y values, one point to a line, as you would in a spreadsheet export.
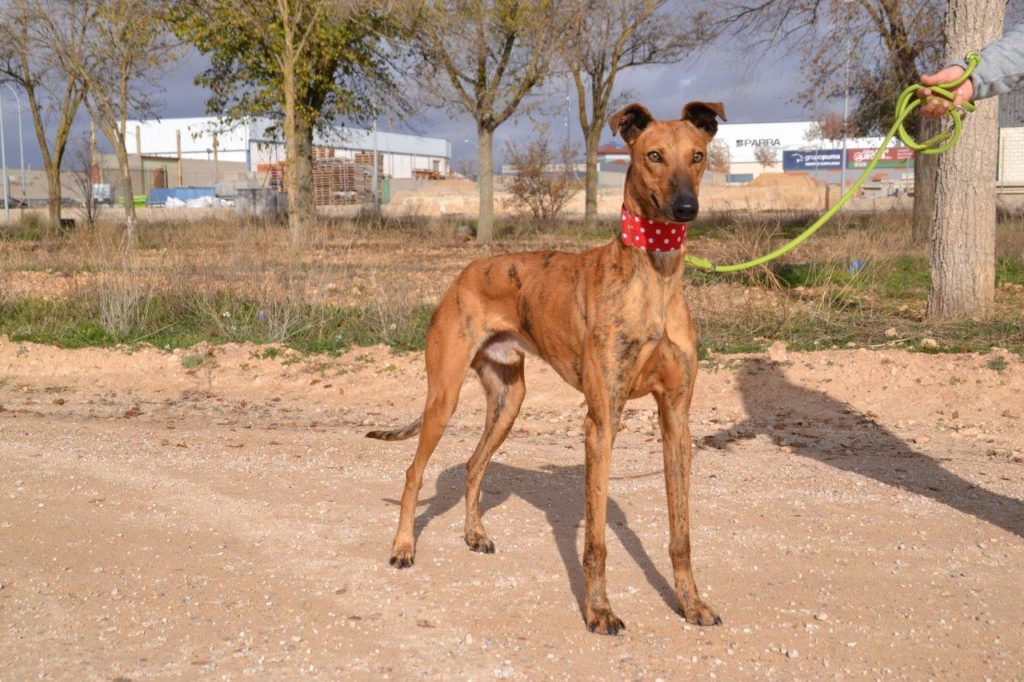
673	414
601	425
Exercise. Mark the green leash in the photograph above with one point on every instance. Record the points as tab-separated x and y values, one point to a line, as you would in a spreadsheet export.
907	102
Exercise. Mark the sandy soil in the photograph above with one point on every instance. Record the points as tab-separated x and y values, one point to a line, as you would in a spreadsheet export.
856	514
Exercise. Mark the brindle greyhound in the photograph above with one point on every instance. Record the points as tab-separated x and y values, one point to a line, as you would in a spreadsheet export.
614	324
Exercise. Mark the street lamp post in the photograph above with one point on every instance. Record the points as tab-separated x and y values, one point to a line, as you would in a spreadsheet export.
846	107
3	161
21	144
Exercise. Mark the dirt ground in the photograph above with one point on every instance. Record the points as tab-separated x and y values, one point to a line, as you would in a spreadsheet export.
856	514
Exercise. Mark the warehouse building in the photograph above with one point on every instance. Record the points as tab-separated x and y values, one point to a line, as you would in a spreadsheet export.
258	143
791	147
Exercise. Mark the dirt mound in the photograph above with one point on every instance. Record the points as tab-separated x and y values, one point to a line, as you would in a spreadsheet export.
784	180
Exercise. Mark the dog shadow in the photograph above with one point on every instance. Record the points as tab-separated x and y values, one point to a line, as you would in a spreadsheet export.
774	406
558	492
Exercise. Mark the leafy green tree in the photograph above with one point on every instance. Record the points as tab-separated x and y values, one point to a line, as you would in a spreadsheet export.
303	63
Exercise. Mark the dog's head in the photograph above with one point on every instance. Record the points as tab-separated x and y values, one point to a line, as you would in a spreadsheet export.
668	158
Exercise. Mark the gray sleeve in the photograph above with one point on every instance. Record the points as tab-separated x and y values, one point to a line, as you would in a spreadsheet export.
1002	65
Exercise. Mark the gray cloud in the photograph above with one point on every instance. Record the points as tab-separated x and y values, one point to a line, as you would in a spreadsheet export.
754	89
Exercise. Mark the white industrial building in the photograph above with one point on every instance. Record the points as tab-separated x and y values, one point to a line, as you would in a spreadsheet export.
743	140
256	143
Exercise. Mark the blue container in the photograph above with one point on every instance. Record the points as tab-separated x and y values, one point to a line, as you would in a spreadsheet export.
158	195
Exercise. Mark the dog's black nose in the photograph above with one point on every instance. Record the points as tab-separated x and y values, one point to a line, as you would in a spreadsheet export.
684	208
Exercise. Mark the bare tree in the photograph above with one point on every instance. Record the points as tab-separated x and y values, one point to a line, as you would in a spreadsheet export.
719	157
36	39
870	48
831	127
483	57
766	156
128	48
82	175
607	36
545	178
963	247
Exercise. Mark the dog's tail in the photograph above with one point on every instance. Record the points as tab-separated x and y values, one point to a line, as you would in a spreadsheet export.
398	434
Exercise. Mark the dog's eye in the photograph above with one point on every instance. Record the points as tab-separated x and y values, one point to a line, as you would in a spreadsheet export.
654	156
698	157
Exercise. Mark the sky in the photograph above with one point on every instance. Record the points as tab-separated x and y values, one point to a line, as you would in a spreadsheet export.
753	90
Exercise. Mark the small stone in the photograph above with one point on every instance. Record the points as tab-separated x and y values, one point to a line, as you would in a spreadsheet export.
777	352
1010	414
929	343
921	440
821	615
890	332
792	653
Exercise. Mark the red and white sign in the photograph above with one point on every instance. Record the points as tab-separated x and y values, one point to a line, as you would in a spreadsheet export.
893	156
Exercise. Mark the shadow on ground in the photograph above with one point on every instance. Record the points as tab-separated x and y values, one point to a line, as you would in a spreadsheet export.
558	492
774	405
814	424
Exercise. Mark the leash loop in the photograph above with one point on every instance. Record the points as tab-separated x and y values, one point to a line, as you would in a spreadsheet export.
907	102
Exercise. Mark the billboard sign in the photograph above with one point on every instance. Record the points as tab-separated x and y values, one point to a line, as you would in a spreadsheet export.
898	157
816	159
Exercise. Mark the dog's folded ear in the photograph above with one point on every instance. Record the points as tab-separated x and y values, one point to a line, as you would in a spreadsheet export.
704	115
630	121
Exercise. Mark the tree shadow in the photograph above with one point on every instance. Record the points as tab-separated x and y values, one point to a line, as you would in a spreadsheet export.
557	491
816	426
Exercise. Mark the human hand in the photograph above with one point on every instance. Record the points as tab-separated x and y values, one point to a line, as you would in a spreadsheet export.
935	107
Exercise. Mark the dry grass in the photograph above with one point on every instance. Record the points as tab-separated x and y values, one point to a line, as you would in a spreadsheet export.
370	280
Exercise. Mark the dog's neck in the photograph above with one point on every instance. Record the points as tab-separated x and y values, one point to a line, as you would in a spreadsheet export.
667	263
650	234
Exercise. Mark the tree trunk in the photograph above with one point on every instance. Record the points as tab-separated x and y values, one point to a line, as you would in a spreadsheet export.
298	141
963	247
593	139
302	213
53	194
925	168
485	175
127	194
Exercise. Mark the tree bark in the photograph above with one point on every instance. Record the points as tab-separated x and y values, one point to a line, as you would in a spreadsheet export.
963	247
593	139
127	193
485	178
53	193
925	168
298	134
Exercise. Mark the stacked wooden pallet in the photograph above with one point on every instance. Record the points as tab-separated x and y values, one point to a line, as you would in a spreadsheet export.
335	181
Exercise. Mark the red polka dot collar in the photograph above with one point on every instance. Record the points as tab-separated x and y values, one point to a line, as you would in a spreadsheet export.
643	233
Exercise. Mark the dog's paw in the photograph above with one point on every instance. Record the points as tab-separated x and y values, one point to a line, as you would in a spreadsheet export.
701	614
478	542
604	622
402	557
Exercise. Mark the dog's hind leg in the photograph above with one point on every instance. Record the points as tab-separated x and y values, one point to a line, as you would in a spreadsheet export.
505	387
448	354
